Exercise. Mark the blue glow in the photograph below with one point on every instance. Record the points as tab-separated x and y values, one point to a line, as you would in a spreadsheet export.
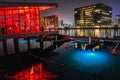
81	41
91	54
91	58
25	41
101	40
32	41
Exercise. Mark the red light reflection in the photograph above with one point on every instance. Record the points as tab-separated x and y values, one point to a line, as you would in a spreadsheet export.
114	51
34	73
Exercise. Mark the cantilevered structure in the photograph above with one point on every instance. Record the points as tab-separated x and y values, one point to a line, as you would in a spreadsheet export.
22	17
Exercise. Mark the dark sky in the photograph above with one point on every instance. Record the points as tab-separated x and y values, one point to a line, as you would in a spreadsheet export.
65	9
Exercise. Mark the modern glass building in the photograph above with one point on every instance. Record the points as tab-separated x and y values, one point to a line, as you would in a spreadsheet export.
117	20
22	17
96	15
49	22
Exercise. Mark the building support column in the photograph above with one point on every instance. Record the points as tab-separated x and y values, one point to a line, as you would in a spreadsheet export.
5	47
89	40
28	44
56	37
16	45
41	43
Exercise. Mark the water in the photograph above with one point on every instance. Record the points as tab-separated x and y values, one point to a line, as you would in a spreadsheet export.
76	63
70	61
91	32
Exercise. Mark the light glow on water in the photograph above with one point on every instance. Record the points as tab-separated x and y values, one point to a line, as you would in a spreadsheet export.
91	54
88	57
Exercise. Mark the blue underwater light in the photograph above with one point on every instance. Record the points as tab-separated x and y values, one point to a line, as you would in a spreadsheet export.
89	57
91	54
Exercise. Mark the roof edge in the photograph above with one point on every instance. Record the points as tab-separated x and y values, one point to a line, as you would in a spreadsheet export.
15	4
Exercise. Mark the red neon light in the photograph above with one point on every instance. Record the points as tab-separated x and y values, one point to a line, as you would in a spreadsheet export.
1	12
27	7
20	11
114	51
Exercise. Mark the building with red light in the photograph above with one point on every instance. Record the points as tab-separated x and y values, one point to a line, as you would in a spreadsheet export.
22	17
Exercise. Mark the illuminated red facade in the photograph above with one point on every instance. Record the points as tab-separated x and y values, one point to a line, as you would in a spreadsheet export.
22	17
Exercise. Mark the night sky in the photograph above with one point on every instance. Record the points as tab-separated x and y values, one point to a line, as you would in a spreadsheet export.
66	8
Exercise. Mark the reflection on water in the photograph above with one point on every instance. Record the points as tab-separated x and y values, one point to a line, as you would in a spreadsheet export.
91	32
97	33
34	72
79	63
90	58
74	62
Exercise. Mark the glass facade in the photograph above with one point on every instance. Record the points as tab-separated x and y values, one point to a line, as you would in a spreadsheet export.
117	20
97	15
49	22
23	19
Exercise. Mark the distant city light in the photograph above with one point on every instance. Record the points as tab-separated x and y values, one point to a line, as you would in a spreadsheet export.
110	11
97	26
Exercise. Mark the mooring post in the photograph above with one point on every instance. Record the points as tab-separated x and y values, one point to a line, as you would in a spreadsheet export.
56	37
89	40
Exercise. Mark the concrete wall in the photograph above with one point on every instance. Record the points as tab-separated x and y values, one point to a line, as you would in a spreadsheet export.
1	49
10	46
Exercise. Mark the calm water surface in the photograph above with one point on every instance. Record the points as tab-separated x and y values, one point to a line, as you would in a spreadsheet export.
73	62
91	32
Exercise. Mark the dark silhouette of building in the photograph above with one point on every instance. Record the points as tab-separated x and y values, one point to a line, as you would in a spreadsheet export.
96	15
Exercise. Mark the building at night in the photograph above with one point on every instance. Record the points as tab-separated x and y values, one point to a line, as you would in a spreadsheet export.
117	20
60	23
96	15
49	22
22	17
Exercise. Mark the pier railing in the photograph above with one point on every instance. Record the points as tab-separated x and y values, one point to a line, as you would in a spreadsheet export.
6	36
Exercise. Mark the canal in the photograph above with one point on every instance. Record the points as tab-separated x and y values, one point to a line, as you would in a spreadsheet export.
67	61
74	62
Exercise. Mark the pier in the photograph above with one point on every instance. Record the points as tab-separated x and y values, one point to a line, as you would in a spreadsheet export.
12	41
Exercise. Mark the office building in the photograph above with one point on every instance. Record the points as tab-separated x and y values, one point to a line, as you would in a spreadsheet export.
60	23
96	15
117	20
49	22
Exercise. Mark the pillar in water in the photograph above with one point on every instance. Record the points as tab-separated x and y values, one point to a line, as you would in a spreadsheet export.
89	40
